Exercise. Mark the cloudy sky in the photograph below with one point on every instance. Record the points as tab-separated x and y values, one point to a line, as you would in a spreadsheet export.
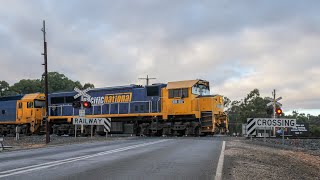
237	45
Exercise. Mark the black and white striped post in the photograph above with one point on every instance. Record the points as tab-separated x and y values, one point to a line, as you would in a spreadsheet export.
251	127
107	126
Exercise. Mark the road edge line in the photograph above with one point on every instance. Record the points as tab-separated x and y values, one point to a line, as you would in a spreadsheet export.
220	162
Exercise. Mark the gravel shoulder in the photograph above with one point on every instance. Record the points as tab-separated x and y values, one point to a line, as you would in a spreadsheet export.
248	160
30	142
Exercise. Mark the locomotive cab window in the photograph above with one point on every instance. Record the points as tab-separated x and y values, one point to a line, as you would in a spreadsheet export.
29	104
178	93
20	105
200	89
39	104
184	93
3	111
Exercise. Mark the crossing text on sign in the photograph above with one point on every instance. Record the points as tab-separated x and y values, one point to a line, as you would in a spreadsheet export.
268	122
88	121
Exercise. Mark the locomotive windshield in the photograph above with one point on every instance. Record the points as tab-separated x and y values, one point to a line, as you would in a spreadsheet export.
200	89
39	104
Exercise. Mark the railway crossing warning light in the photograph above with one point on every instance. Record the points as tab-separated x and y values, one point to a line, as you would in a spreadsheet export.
86	104
279	111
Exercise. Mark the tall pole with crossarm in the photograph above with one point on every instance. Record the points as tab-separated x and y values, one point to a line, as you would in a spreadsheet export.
46	80
147	79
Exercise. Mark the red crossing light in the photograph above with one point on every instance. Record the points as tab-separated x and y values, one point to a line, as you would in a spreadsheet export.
278	111
86	104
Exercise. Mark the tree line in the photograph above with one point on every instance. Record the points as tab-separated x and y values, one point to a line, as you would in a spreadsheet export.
255	106
56	83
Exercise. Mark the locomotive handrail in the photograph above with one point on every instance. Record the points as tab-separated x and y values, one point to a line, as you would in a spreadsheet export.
158	103
150	109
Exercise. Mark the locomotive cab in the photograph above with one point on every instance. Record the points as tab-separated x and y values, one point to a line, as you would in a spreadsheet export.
25	112
31	110
190	101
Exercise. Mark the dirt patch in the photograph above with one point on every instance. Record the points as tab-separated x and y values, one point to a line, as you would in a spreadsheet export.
251	161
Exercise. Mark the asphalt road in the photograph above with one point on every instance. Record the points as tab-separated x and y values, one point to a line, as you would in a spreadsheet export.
138	158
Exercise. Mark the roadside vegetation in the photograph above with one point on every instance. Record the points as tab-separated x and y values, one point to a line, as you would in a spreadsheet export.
57	82
253	105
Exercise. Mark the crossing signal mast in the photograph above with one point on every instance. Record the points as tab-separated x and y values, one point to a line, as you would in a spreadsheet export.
276	110
82	105
274	102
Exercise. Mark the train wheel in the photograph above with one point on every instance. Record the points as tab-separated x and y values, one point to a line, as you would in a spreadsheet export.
25	129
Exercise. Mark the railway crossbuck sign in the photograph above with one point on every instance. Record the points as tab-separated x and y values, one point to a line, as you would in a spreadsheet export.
82	93
274	101
253	123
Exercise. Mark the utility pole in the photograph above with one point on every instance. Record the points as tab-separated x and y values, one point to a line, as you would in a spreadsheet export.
46	80
274	103
147	79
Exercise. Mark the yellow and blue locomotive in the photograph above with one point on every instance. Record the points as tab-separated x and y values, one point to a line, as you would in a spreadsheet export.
175	108
26	112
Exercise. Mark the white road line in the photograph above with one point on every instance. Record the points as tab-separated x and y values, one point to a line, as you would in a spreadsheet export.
59	162
220	163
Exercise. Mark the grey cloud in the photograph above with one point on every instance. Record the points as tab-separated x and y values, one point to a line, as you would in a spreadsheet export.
236	45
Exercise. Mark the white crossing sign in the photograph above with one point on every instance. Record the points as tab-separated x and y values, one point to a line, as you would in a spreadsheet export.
82	93
107	125
275	122
272	101
251	126
88	121
253	123
106	122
